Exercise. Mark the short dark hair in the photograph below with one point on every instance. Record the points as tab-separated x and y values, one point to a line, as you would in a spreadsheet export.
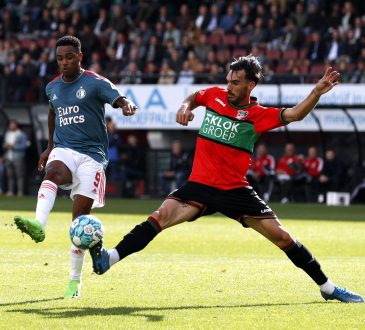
251	65
69	41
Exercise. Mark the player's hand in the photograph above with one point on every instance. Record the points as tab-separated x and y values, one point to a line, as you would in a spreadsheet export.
183	116
327	82
129	108
43	159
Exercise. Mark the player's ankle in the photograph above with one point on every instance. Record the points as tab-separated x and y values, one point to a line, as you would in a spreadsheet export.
328	287
113	257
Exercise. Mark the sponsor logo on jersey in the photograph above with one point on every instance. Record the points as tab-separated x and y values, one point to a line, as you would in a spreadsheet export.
228	131
241	114
81	93
220	101
94	191
219	127
54	97
266	211
70	115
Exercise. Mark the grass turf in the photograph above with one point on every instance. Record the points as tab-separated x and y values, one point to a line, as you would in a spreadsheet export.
210	274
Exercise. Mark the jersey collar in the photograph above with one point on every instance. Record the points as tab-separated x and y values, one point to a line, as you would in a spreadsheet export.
77	78
253	101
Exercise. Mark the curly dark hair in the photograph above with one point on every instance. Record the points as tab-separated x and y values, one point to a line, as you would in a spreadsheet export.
69	41
251	65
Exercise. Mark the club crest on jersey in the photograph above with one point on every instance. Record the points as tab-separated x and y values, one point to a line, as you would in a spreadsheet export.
81	93
241	114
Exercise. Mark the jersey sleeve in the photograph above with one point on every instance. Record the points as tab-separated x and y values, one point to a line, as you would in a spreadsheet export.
48	91
268	119
202	96
108	92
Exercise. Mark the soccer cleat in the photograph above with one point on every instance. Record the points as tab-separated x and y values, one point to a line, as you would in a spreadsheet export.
100	257
73	289
33	228
343	295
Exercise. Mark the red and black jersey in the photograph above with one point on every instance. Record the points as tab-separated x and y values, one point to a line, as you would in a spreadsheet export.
263	165
290	165
226	138
313	165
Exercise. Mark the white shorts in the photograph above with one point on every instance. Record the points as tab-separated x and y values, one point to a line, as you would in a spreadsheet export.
88	176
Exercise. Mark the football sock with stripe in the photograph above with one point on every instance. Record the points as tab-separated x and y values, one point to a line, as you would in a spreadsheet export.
77	261
302	258
46	197
138	238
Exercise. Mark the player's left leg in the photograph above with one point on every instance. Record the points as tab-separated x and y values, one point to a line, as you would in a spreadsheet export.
170	213
89	192
82	205
301	257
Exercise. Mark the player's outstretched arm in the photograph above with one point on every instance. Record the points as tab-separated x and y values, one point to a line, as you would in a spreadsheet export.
325	84
51	127
128	107
185	114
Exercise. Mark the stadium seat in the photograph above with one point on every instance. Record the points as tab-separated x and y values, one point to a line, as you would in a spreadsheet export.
215	40
303	53
237	52
304	68
273	54
230	40
290	54
243	40
281	68
317	68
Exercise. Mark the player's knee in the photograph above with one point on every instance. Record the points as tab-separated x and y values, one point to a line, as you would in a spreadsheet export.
54	175
162	217
283	239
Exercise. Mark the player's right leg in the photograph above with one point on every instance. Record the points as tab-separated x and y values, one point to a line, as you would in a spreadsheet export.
57	173
302	258
170	213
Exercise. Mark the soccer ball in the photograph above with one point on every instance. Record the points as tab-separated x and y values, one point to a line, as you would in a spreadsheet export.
86	231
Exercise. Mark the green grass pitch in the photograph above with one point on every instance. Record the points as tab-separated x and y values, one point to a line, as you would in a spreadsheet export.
210	274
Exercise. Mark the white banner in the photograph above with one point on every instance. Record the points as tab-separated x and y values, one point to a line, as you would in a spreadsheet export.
334	120
158	104
344	94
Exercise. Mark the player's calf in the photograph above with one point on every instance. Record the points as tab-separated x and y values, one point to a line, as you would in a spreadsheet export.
136	240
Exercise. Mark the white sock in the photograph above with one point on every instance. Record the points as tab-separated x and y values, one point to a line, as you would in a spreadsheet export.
113	256
328	287
77	261
46	196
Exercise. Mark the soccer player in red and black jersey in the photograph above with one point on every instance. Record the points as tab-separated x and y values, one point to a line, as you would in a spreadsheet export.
263	171
233	122
287	171
313	165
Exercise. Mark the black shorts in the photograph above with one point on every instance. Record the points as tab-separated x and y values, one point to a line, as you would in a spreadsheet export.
237	204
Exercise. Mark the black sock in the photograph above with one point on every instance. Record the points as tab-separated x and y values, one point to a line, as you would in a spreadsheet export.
302	258
138	238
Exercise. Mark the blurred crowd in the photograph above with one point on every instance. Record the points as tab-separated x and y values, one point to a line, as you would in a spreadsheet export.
179	42
295	177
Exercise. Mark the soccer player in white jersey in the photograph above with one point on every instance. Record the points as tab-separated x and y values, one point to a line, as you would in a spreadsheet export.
77	151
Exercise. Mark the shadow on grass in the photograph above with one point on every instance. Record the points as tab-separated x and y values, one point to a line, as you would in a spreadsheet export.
28	302
139	311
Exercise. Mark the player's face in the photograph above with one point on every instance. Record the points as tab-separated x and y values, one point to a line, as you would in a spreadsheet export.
239	88
69	61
